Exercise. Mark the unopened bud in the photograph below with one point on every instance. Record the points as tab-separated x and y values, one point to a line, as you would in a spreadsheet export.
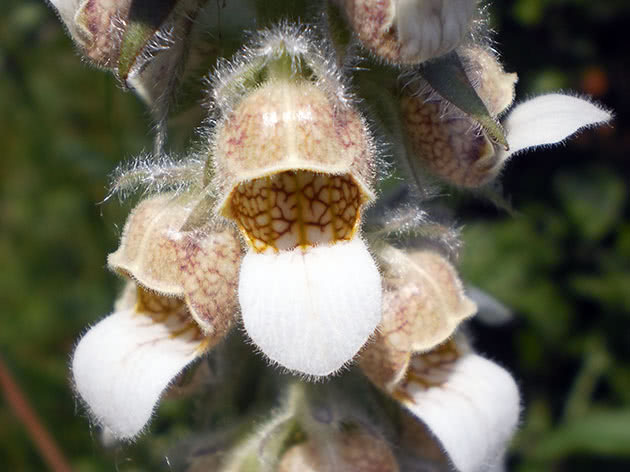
409	31
142	42
423	303
96	26
351	451
449	143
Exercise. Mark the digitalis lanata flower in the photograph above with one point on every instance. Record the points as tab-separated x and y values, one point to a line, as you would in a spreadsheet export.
180	302
469	404
451	145
293	167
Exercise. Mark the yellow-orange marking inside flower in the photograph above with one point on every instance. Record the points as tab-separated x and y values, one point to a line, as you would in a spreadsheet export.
296	208
431	369
171	312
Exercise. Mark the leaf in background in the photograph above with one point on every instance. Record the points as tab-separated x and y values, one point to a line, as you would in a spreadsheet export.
513	261
593	200
340	34
603	432
609	288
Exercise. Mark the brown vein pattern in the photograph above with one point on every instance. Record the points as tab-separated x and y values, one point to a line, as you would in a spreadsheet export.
296	208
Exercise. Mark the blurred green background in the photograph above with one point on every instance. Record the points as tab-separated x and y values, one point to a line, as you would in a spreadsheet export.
562	262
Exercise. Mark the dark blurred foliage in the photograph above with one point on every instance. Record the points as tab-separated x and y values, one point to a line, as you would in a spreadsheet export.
561	261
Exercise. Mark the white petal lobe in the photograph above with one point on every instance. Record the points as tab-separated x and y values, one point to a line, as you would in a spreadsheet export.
473	413
123	363
311	310
550	119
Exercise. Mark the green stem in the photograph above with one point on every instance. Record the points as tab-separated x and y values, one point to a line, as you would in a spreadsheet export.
595	363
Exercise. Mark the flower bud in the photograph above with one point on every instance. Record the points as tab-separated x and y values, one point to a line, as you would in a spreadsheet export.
142	42
449	143
293	168
423	303
96	27
409	31
152	66
350	451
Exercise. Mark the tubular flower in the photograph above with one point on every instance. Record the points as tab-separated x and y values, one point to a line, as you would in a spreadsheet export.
452	146
409	31
423	303
470	405
179	303
293	168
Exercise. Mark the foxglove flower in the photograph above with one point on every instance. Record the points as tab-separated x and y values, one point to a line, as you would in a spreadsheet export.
423	303
409	31
293	168
470	405
453	147
179	303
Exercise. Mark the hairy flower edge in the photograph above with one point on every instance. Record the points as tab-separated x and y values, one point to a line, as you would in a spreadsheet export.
470	404
311	310
124	363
